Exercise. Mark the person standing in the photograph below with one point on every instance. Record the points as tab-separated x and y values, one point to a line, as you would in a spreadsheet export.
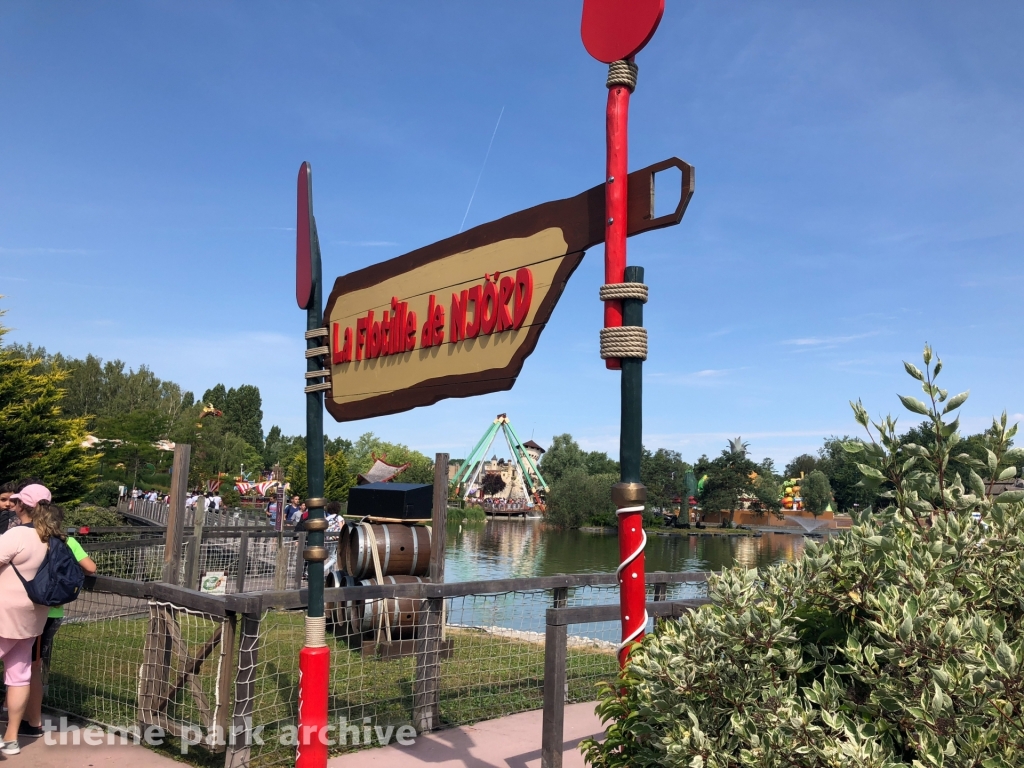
8	517
42	649
21	621
291	510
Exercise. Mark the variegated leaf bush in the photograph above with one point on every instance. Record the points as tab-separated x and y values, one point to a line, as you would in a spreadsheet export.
898	643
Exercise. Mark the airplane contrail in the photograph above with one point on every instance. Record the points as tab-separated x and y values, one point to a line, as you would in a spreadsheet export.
495	133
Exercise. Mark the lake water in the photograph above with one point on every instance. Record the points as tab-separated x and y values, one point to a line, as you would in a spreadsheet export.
519	548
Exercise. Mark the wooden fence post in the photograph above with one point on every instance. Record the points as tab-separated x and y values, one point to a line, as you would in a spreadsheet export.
439	518
197	532
281	564
243	560
299	561
427	683
552	725
176	514
237	754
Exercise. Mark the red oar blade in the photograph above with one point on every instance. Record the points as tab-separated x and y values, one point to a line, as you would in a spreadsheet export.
618	29
304	239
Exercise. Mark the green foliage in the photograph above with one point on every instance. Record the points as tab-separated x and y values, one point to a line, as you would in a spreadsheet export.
469	514
243	414
93	516
36	437
577	499
900	643
295	474
104	493
229	495
600	463
563	457
802	464
664	474
281	449
730	478
421	469
94	388
129	440
337	478
217	396
216	450
840	467
816	492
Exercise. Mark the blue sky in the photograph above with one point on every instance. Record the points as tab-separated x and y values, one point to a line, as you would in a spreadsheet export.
860	190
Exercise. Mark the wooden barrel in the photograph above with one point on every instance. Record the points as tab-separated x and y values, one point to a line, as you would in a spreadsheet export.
402	612
338	615
403	550
346	529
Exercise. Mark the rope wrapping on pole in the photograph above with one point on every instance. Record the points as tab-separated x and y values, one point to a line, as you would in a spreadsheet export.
626	341
619	291
637	624
316	631
623	72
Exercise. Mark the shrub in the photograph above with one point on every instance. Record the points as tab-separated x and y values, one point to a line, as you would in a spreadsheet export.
577	498
104	494
816	492
229	496
899	643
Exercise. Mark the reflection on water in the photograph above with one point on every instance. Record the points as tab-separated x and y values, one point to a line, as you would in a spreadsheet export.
501	549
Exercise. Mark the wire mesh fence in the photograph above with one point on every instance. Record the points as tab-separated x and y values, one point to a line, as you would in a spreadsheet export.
132	653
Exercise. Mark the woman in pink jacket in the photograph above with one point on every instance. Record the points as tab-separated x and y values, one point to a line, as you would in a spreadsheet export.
21	620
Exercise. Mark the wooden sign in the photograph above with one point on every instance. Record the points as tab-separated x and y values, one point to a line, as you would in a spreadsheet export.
459	317
305	236
618	29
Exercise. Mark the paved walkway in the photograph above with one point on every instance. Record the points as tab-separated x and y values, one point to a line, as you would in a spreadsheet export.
35	753
508	742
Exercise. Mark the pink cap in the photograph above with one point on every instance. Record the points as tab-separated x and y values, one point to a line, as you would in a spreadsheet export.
31	495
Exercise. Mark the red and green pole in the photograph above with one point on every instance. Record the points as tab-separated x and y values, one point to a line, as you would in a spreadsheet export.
613	32
315	655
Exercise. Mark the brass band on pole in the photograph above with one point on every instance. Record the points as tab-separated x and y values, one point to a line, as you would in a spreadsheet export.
316	502
315	554
628	494
315	524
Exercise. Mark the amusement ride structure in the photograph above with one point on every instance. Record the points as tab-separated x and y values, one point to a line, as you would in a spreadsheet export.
524	468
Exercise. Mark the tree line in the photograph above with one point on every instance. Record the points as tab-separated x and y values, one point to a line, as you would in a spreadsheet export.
580	492
53	406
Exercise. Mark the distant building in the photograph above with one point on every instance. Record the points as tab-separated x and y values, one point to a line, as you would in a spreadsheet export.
534	450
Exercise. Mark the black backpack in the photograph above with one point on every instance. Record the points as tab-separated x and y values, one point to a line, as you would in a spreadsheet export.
59	578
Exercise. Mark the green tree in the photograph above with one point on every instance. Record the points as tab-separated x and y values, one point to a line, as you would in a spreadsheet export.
295	475
337	478
421	468
664	474
564	456
844	478
36	438
281	449
576	499
729	479
816	492
130	439
338	445
804	463
599	463
217	450
492	484
243	414
217	396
